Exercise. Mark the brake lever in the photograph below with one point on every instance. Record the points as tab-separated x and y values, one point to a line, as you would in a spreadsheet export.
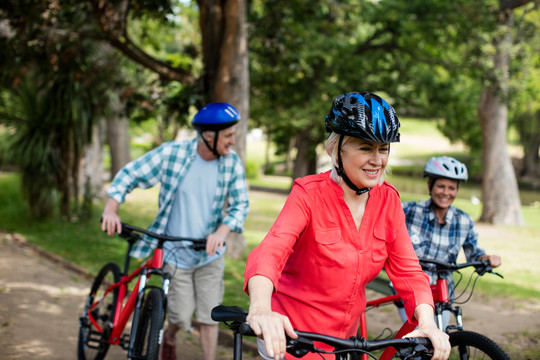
300	346
419	351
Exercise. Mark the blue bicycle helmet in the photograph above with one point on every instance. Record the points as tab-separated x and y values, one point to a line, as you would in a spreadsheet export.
362	115
215	117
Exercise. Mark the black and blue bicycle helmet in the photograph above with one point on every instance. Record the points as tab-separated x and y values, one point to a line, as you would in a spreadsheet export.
215	117
362	115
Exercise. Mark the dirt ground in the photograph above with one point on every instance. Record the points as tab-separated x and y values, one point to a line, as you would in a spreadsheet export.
40	302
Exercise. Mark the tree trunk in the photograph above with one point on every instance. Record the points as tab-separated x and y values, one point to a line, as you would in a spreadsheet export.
226	78
530	140
501	202
225	56
531	161
306	156
91	179
118	138
92	164
289	163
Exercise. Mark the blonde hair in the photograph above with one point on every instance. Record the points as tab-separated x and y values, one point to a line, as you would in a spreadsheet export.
332	150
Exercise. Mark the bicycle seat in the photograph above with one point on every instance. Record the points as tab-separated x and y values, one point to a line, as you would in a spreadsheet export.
228	313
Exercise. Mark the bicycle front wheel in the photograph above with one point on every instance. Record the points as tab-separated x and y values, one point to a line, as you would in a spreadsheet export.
149	332
98	315
468	345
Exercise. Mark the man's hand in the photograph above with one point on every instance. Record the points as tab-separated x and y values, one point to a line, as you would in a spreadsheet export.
214	242
110	221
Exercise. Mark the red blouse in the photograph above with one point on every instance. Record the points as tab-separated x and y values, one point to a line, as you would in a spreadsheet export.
320	263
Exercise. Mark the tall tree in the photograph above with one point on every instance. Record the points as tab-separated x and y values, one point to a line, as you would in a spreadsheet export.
225	75
68	84
500	193
524	103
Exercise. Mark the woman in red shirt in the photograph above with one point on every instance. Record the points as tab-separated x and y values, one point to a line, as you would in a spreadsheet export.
333	236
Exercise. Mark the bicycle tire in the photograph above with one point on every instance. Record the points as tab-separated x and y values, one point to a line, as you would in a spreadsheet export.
469	345
93	344
149	332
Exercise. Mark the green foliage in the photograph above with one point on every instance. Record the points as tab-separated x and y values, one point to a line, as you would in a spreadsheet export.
252	170
56	84
430	59
32	147
168	105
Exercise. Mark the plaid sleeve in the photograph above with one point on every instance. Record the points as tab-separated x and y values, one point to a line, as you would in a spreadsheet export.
238	202
143	172
470	245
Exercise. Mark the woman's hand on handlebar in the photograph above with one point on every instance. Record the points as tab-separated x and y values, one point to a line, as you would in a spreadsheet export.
272	328
427	328
439	340
266	324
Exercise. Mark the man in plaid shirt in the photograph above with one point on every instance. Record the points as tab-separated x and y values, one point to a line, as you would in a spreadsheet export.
203	194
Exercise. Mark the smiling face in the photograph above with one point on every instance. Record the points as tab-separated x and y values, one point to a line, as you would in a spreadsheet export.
444	192
364	161
226	140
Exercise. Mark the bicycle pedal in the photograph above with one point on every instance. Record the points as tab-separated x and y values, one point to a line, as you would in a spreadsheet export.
124	341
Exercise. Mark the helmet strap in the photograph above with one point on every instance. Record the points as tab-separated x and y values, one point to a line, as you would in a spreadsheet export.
212	149
341	171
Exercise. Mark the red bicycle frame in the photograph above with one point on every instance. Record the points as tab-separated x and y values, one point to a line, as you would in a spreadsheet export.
122	312
440	295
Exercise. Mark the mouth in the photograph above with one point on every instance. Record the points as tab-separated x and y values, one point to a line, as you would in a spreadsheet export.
445	200
371	173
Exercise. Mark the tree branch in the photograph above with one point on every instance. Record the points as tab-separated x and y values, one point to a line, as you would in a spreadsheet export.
112	20
513	4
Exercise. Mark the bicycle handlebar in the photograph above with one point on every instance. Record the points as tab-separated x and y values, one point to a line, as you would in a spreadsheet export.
131	232
235	318
481	266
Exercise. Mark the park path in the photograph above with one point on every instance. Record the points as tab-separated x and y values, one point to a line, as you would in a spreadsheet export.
40	302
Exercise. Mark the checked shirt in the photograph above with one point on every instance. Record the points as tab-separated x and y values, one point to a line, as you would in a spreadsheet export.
167	165
435	241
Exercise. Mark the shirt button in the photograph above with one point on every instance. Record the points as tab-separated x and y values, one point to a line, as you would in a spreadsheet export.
361	251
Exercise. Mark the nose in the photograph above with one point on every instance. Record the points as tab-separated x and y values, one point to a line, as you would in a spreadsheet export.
376	158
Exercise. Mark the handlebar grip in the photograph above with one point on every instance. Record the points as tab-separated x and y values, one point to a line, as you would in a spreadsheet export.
424	341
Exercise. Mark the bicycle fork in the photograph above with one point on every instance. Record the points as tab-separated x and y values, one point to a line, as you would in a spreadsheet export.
141	286
456	311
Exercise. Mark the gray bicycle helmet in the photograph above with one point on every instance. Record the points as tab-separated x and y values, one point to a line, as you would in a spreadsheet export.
362	115
446	167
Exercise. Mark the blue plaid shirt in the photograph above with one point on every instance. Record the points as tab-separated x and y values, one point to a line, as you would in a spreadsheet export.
168	165
435	241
